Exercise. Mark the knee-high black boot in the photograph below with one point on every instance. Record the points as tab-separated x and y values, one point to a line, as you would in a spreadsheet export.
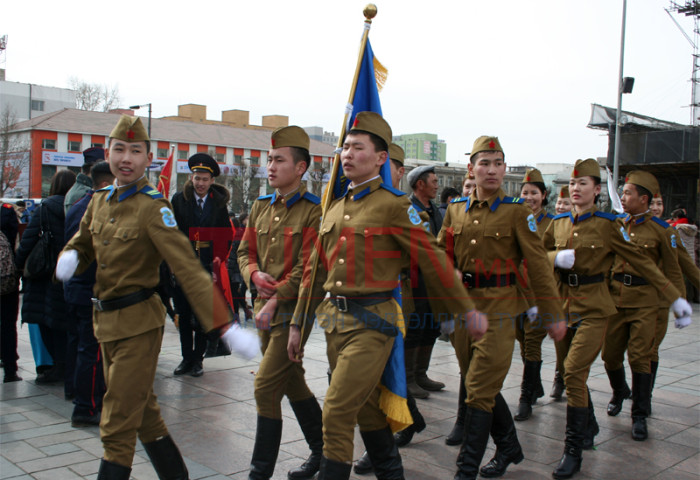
570	463
332	470
455	436
620	389
166	459
641	401
405	436
654	369
477	425
384	454
530	389
268	436
508	448
592	428
113	471
558	386
309	414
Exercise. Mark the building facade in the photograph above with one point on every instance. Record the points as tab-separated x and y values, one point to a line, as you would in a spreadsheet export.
27	100
422	146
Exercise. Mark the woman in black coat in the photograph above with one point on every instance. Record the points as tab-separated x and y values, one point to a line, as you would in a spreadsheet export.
43	301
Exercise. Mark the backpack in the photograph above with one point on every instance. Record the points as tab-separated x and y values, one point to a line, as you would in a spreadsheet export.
8	270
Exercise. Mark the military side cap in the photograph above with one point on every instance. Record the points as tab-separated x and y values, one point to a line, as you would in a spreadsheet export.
201	162
93	155
372	123
396	153
564	192
532	175
586	168
486	144
130	129
291	136
644	180
417	172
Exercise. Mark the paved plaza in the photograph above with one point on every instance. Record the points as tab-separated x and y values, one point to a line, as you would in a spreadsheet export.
212	419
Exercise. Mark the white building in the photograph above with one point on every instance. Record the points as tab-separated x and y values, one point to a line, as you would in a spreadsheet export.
28	100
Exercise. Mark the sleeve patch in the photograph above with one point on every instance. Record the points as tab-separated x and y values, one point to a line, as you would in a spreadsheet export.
413	215
168	217
532	223
674	243
625	235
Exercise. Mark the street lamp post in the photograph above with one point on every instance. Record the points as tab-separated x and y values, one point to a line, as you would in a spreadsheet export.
150	108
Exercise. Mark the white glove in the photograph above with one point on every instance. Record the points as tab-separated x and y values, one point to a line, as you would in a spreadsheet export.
66	265
683	322
245	344
532	313
565	259
681	308
447	327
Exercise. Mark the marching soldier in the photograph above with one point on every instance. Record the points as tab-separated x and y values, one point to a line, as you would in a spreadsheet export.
271	259
583	245
201	207
529	331
633	327
128	229
361	238
492	234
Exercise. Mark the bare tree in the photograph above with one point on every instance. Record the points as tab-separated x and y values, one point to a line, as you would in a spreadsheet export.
14	155
243	187
318	172
95	97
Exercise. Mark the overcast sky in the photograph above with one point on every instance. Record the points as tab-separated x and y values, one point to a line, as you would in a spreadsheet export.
526	71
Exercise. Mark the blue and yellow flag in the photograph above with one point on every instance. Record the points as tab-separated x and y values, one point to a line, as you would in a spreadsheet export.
392	399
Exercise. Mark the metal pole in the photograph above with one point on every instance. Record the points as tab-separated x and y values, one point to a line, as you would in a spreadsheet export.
616	157
149	119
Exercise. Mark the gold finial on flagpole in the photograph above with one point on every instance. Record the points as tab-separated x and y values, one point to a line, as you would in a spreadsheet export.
370	12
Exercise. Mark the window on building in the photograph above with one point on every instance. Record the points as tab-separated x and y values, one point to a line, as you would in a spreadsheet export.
182	154
74	146
219	157
238	159
162	153
97	145
48	144
38	105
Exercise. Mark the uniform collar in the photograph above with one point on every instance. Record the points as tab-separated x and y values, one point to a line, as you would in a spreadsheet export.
357	192
124	192
578	218
492	202
290	198
638	219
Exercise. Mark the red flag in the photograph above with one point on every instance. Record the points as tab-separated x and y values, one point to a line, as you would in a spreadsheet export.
165	174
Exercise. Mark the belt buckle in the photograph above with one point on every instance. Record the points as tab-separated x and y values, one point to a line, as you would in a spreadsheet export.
627	279
97	303
468	278
572	280
341	303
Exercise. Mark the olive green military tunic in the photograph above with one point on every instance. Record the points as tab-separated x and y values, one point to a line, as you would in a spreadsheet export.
634	326
129	231
491	238
362	239
273	244
596	238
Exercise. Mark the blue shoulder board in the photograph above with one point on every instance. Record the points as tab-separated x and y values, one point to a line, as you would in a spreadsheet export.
607	216
312	198
265	197
620	215
151	192
562	215
512	200
106	189
660	222
459	200
549	215
393	190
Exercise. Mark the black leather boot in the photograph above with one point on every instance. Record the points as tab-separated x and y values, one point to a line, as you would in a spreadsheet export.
166	459
309	414
410	355
268	436
558	386
654	368
529	389
592	428
477	425
113	471
421	373
364	465
641	401
405	436
508	448
455	436
570	463
620	389
384	454
332	470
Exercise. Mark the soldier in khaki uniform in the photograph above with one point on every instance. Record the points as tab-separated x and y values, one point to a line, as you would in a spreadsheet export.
128	229
529	330
361	239
491	235
270	257
583	245
634	326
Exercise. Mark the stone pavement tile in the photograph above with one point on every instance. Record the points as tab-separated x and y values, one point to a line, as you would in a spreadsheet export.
540	449
690	465
32	433
21	389
63	473
60	448
86	468
9	469
659	453
684	416
20	451
689	437
183	396
675	474
236	417
18	405
70	435
17	426
662	395
603	465
44	417
56	404
55	461
92	445
11	417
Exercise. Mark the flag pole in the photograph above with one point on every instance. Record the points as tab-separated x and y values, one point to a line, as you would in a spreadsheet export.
370	11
